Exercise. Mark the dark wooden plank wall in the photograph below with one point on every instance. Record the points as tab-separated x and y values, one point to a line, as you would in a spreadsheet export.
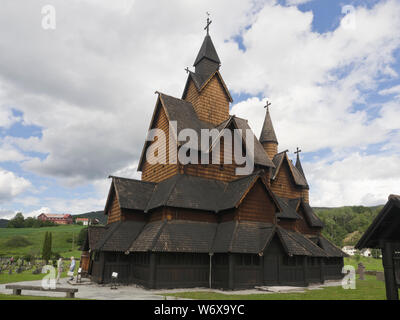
160	172
284	185
257	206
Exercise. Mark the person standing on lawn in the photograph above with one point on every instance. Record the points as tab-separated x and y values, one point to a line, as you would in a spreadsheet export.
72	268
59	269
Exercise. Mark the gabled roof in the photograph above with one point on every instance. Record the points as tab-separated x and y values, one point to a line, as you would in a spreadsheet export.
385	226
242	237
191	192
205	237
200	81
131	194
260	156
175	236
122	236
330	249
177	110
297	244
185	191
298	178
207	51
311	217
94	234
183	113
268	132
288	211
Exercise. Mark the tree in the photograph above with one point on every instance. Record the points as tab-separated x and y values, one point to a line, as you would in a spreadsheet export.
29	222
17	221
46	252
82	236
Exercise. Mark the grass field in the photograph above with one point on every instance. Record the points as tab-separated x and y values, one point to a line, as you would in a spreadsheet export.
369	289
370	264
62	240
28	276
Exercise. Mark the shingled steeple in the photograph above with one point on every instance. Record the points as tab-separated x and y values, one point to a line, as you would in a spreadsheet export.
207	61
268	137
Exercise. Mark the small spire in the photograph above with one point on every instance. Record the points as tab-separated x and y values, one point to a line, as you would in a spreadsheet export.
299	167
268	132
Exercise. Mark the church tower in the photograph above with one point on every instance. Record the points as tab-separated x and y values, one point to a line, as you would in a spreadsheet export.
268	137
205	88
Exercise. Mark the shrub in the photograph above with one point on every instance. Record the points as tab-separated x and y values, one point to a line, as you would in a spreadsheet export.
18	242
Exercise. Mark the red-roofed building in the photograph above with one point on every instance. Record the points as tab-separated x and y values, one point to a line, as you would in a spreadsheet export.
85	221
56	218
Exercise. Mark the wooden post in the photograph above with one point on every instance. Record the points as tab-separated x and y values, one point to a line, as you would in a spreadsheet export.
102	261
231	283
322	268
305	266
152	276
390	280
210	271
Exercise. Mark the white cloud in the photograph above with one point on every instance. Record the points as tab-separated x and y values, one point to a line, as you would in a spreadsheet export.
89	84
10	154
357	179
393	90
297	2
11	185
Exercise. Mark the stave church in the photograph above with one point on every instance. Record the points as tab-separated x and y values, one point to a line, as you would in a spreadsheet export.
202	225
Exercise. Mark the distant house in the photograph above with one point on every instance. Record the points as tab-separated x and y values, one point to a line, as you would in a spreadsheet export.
366	253
350	250
56	218
85	221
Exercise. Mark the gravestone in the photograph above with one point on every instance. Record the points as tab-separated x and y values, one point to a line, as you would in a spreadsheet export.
10	271
361	271
380	276
19	270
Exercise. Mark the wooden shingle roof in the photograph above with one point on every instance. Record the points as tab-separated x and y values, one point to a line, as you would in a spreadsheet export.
385	226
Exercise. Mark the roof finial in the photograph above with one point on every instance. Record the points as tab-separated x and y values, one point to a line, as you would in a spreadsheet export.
208	23
187	70
298	151
268	105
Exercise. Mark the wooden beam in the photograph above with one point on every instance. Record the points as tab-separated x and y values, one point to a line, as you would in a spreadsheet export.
152	276
392	292
231	283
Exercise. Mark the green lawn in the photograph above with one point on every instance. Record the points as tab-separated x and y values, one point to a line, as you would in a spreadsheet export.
28	276
62	236
369	289
370	264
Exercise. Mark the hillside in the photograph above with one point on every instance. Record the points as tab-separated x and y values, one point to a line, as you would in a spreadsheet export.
64	240
94	214
345	225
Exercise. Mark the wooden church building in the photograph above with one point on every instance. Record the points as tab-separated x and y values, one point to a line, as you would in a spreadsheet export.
201	225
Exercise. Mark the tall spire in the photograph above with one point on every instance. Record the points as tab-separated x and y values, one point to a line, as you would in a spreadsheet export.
268	132
207	61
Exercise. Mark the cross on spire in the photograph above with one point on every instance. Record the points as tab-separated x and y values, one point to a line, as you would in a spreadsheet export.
298	151
268	105
208	23
187	70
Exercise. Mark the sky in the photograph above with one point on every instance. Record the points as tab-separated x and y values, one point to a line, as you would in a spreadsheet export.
76	101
